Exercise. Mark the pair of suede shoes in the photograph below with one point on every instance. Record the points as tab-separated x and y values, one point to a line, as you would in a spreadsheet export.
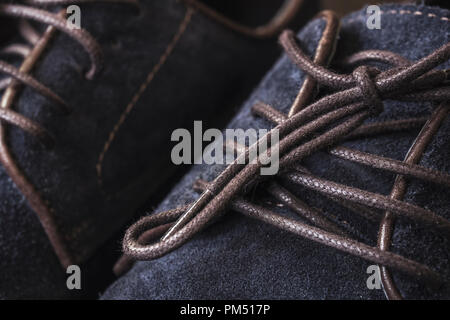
362	115
87	116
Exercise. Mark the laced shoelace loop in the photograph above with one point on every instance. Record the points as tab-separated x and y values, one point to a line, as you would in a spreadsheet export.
369	91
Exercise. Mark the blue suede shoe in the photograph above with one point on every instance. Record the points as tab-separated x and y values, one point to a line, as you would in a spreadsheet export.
360	203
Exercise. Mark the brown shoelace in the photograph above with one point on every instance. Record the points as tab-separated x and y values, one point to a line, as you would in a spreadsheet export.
31	51
322	125
285	14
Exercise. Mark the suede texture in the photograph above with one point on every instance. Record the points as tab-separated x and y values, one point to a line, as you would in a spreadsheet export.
201	76
241	258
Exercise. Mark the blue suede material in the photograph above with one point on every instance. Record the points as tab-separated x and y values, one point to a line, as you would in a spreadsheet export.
202	74
240	258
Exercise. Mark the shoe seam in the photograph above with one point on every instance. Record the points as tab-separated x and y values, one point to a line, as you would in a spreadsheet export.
130	106
406	12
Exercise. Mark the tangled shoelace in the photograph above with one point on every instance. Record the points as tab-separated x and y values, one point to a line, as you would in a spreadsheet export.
321	125
16	77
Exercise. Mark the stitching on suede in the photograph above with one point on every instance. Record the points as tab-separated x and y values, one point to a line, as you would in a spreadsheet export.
169	49
403	12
